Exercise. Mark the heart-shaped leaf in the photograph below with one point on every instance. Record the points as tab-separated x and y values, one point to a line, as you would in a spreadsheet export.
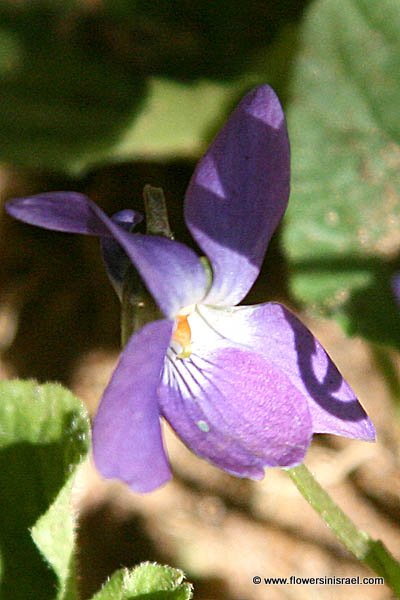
148	581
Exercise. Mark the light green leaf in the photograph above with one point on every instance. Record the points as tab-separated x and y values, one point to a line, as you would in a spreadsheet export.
171	123
43	437
343	224
148	581
54	535
126	79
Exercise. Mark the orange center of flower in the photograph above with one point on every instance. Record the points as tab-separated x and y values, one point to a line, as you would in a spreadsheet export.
183	336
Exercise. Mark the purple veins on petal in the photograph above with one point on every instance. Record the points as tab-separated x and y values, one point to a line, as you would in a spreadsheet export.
239	192
235	409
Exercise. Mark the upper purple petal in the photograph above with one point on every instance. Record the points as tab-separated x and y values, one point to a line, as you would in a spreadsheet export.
239	192
127	442
275	332
234	408
171	271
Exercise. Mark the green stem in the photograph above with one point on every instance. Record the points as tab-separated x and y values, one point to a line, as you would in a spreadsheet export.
371	552
156	212
138	306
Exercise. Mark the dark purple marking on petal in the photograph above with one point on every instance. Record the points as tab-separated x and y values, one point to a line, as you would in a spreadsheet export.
114	256
171	271
239	192
127	441
274	331
235	409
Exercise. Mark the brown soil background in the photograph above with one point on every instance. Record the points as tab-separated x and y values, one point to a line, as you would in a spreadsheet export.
59	321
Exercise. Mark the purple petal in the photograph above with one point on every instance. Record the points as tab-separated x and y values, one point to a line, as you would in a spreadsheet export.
172	272
60	211
127	443
239	192
114	256
234	408
396	287
282	339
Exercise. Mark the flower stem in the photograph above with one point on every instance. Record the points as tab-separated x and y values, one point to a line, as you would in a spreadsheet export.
156	212
371	552
138	306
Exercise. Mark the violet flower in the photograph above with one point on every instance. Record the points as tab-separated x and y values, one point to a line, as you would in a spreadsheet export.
245	387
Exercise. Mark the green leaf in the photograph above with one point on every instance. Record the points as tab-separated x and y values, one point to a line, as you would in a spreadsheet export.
69	102
342	231
54	535
63	105
43	436
124	79
147	581
171	122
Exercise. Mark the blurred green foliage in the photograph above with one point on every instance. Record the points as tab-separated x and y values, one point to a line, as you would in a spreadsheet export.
62	105
84	83
44	436
343	223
